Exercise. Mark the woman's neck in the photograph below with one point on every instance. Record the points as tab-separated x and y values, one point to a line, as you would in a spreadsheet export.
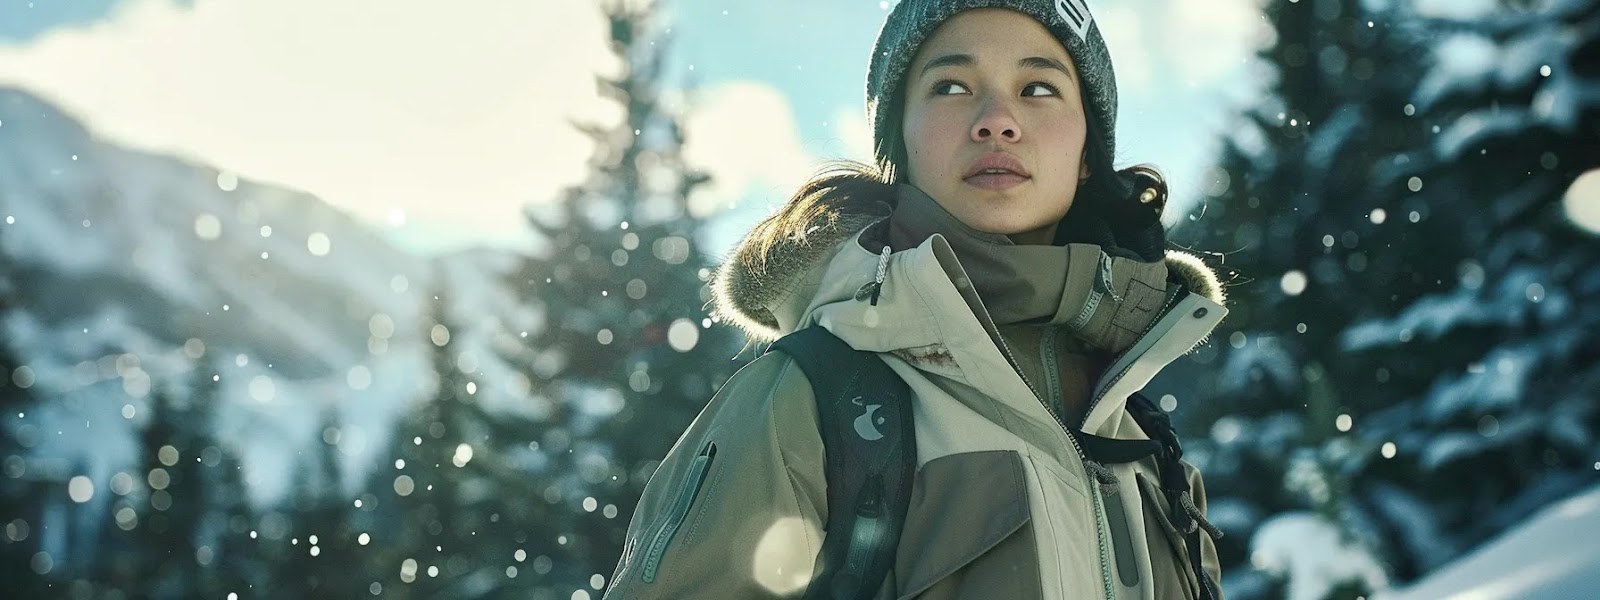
1042	236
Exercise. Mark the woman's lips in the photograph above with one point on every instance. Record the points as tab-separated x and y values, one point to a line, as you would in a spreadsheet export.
995	171
995	181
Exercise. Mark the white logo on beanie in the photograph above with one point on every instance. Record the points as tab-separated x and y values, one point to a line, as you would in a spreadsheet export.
1076	14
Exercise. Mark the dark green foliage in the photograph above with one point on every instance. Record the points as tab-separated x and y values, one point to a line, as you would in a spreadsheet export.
1394	222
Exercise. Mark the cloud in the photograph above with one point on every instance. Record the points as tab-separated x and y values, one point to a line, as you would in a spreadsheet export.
855	135
1196	41
456	115
744	133
1123	29
1207	39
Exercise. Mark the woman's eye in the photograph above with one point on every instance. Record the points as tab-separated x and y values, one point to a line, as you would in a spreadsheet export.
943	88
1050	90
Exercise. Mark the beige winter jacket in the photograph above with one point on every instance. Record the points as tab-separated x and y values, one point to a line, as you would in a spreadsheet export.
1002	504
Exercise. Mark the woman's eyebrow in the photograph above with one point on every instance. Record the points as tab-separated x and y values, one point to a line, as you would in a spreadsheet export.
1043	62
966	60
948	60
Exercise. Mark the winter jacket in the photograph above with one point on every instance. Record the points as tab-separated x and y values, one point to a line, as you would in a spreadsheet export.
1003	504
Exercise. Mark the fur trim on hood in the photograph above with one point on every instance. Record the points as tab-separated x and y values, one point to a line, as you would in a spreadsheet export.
759	273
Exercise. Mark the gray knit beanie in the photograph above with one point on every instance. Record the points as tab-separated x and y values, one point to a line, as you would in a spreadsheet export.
912	21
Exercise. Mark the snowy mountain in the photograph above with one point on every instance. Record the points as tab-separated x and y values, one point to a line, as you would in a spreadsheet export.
132	268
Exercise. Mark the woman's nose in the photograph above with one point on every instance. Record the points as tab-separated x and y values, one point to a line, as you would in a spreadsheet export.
996	120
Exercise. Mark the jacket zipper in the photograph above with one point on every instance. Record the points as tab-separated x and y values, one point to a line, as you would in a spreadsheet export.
1103	285
1052	374
1017	367
1101	534
680	509
1091	470
1052	371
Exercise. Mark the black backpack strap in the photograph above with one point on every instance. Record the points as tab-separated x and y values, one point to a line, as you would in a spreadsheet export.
1181	510
864	414
1112	451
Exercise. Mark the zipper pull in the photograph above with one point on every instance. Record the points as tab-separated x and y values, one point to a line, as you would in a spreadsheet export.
872	290
1104	282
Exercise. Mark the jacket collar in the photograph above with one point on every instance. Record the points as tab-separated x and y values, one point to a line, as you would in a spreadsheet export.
929	315
928	312
773	272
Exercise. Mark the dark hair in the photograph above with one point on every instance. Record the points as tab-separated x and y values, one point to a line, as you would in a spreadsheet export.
1111	195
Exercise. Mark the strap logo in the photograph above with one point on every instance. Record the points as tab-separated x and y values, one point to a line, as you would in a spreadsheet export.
867	424
1076	14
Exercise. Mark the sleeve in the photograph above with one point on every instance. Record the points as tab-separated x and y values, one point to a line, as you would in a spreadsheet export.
736	508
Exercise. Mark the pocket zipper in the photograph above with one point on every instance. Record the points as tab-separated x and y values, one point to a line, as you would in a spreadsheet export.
1122	541
680	509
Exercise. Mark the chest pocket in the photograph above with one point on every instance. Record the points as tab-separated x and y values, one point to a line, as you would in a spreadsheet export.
968	531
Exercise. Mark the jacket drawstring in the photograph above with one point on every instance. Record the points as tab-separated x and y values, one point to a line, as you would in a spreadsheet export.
871	290
1197	518
1104	476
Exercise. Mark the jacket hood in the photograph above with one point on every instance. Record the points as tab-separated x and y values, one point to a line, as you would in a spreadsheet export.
762	275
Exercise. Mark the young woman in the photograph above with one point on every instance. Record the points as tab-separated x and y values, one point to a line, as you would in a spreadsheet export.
1023	292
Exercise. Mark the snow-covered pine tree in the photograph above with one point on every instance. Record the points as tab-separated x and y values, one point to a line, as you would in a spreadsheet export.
178	531
179	519
628	354
19	495
1408	283
167	523
1500	411
225	560
1291	220
236	564
316	557
458	508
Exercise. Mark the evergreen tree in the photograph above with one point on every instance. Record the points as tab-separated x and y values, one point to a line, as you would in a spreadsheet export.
20	496
1498	366
316	561
236	564
458	505
183	534
627	352
212	485
1404	333
167	527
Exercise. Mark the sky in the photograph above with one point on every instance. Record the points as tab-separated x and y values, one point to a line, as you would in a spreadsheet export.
438	124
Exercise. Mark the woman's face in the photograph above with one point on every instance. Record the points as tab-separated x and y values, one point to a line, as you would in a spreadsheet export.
994	124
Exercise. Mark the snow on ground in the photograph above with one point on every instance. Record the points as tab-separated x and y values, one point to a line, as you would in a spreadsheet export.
1310	551
1555	555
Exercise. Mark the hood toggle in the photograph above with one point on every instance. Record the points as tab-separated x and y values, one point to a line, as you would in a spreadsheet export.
871	290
